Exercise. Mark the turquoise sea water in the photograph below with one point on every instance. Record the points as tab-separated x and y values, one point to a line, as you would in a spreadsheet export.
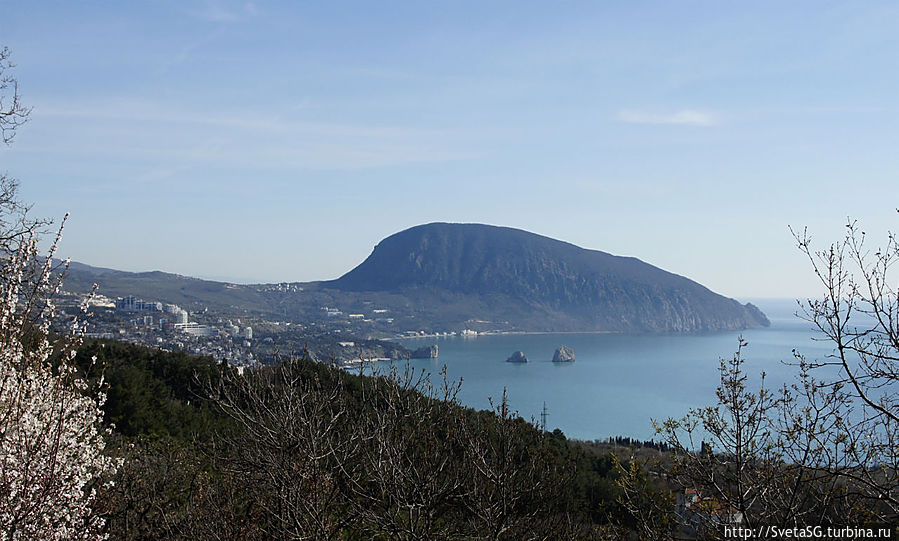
618	382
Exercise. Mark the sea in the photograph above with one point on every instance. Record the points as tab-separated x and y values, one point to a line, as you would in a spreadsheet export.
619	383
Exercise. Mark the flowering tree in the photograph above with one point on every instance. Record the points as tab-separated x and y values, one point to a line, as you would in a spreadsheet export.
51	443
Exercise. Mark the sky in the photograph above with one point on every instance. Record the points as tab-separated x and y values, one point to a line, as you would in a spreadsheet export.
280	141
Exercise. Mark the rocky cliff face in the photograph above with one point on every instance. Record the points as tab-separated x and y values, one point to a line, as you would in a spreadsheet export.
425	352
563	354
514	274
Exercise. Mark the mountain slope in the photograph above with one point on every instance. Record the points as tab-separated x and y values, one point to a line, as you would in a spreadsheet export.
570	287
191	293
450	277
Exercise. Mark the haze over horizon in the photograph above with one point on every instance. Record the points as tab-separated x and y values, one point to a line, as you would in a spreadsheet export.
269	142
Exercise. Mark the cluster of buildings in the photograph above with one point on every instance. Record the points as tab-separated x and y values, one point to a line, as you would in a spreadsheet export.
177	319
378	314
169	326
464	333
335	316
235	330
283	287
177	315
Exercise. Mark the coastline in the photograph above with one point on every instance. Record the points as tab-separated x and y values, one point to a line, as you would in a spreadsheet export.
497	333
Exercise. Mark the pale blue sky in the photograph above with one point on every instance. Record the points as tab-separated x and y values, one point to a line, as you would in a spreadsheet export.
281	141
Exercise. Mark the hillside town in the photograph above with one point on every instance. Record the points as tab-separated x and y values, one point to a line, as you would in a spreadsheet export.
166	326
239	341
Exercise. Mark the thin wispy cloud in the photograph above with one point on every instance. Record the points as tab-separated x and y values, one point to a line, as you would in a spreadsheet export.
180	136
686	117
151	112
223	11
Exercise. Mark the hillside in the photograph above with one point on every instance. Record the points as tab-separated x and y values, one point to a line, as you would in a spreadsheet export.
199	442
157	285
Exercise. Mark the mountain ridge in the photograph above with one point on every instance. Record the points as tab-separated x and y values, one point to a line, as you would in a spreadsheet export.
449	277
611	292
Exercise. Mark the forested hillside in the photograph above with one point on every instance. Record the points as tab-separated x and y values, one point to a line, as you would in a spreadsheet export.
306	450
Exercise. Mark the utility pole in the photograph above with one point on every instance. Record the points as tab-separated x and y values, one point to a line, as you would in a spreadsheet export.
543	416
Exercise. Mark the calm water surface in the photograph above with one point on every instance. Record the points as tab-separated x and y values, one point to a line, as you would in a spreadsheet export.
618	382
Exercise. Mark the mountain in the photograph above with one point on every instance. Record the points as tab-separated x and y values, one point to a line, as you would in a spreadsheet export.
521	274
449	277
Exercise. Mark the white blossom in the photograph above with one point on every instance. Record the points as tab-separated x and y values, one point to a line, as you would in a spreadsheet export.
51	440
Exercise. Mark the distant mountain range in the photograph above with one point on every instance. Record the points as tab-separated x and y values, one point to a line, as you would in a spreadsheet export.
445	276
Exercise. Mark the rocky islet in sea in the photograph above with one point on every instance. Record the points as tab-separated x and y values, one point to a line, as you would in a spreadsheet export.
563	354
517	357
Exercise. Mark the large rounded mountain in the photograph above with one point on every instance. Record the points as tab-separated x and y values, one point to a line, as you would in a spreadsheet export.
532	282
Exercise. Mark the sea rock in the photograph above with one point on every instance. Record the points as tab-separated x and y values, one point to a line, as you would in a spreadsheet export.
563	354
426	352
517	357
